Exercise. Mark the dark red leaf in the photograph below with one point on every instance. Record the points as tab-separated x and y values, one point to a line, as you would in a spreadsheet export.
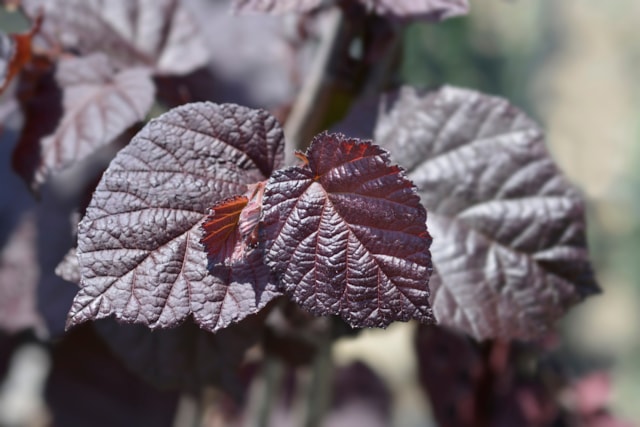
509	232
346	235
159	34
15	53
139	243
98	105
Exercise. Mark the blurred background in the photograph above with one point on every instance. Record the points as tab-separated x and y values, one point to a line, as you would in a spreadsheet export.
573	65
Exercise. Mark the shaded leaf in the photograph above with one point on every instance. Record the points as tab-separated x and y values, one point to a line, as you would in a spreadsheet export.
437	10
509	232
494	383
346	235
186	357
98	105
85	370
139	243
153	33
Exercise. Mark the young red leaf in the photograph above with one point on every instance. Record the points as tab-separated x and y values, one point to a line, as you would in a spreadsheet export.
15	53
509	233
231	228
346	235
139	244
98	105
159	34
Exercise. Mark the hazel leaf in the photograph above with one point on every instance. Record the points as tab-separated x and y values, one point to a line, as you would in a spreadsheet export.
345	233
139	247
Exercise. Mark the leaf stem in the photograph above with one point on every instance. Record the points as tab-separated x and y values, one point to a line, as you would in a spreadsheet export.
319	392
272	375
310	105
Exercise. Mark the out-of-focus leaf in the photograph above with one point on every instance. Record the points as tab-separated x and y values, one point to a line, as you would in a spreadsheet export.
69	269
19	276
186	357
159	34
492	383
360	399
509	233
263	67
276	6
15	53
346	235
436	10
139	242
98	105
89	386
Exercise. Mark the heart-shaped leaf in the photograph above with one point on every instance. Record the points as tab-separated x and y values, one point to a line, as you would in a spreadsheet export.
159	34
139	243
509	246
346	235
98	105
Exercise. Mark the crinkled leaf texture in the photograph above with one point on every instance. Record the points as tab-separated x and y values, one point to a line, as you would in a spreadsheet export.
509	250
99	104
346	235
139	243
154	33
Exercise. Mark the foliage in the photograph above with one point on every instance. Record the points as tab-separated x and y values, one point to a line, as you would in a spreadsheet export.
431	206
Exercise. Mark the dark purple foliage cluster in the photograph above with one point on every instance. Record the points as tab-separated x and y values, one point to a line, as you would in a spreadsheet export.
441	206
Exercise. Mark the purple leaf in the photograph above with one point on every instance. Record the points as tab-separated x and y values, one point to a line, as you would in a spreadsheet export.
19	277
98	105
186	357
346	235
436	10
69	269
509	232
139	243
159	34
276	6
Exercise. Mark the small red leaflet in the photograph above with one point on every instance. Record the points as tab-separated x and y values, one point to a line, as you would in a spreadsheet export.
231	228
